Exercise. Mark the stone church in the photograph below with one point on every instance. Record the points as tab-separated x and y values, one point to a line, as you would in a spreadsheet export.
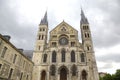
62	56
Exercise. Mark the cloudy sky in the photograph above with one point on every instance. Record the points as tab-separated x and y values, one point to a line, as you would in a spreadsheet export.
20	20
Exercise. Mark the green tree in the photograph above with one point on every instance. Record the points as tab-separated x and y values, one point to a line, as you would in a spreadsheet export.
117	75
107	77
113	77
100	78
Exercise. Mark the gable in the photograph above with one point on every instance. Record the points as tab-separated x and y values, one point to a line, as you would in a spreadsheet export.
63	27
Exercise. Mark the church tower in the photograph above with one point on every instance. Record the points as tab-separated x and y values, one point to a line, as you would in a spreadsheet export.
63	57
86	33
40	45
88	46
42	34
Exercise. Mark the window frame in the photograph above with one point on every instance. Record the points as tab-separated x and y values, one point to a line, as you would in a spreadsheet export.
63	52
4	52
14	59
82	57
45	58
72	56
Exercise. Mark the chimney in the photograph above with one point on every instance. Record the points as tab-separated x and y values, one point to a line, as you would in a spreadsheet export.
21	50
7	37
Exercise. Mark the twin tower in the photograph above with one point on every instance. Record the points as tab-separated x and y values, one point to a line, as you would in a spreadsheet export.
63	57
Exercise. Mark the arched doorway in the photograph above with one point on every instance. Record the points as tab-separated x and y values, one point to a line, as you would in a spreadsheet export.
52	70
43	75
84	75
74	70
63	74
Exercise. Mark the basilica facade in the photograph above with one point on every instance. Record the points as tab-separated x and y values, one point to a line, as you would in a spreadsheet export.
63	57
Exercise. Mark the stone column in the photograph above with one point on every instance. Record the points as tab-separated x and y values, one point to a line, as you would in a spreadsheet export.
39	76
47	76
69	76
79	75
58	77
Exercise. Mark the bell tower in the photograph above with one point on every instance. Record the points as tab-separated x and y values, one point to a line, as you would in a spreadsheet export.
86	33
88	46
42	34
40	46
41	41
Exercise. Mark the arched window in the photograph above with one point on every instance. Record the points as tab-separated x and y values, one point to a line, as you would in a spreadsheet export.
88	35
63	55
54	56
42	37
82	57
43	29
72	56
88	48
45	58
52	70
87	27
84	75
84	27
85	35
39	37
74	70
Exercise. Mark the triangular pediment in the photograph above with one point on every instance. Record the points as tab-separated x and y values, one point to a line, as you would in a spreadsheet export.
63	27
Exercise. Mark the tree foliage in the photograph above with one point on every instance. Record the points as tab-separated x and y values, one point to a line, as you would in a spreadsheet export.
107	77
115	76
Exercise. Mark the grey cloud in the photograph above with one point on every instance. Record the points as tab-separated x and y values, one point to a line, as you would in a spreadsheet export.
109	58
22	34
108	33
107	66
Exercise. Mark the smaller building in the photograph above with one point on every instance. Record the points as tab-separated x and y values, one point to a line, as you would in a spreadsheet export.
102	74
14	65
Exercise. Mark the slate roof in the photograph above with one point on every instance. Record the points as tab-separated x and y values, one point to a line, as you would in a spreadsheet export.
28	53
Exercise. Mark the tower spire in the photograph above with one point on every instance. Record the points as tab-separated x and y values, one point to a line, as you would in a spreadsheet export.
83	18
44	21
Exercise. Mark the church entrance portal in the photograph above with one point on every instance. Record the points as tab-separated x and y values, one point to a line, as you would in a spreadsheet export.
43	75
63	74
